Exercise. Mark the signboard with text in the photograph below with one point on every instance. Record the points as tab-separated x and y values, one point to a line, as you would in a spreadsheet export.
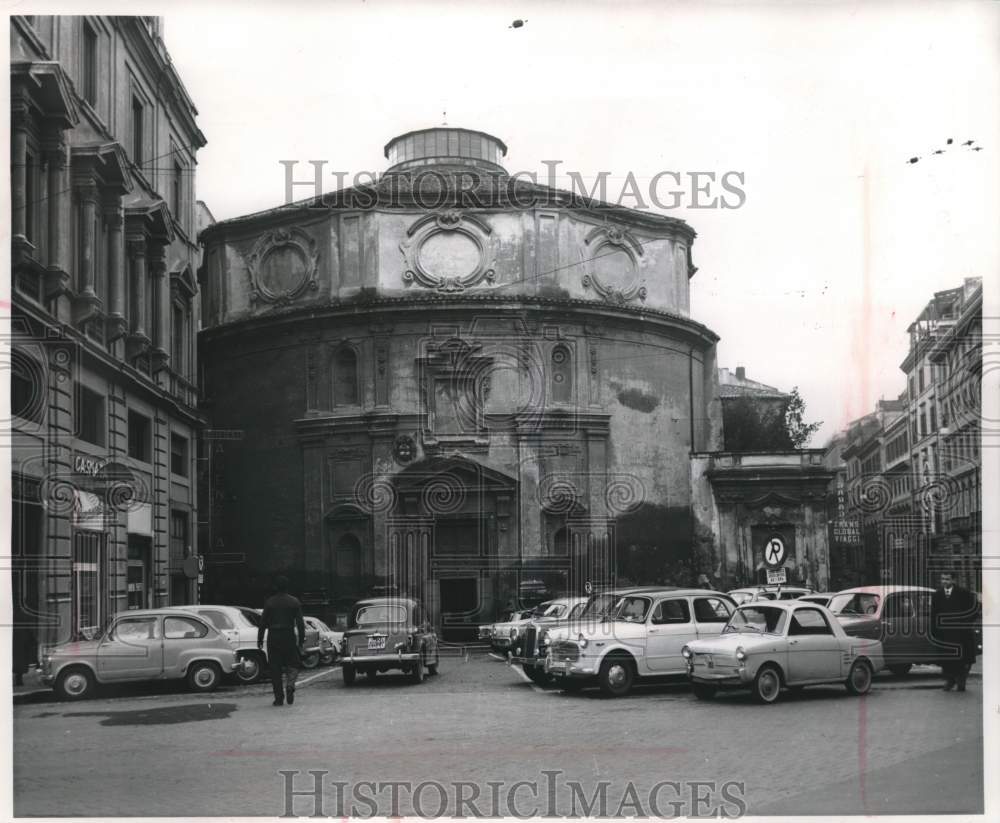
777	576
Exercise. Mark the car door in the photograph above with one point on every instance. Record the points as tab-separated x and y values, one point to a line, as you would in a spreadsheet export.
898	622
668	629
131	650
814	651
710	615
181	636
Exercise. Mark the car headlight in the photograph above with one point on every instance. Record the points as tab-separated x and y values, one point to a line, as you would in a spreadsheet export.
581	641
686	653
741	655
543	638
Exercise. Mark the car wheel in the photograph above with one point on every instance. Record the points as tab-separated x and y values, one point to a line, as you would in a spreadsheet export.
76	683
767	684
703	691
310	660
417	672
327	659
349	675
432	668
204	676
252	668
859	680
616	676
900	669
537	674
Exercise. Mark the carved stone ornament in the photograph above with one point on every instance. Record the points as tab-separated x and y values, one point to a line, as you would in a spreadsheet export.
282	266
449	252
610	247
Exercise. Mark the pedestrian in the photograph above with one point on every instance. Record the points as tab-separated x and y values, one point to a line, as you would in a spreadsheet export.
281	619
952	613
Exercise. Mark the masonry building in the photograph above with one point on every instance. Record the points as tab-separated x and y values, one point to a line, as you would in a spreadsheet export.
105	310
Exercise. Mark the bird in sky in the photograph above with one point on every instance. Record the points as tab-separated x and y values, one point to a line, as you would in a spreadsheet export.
517	24
938	151
913	160
968	142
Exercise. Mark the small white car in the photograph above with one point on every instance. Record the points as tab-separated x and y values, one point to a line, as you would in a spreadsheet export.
766	647
329	640
506	630
640	637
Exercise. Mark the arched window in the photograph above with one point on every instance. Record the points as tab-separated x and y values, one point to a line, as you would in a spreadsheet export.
562	375
345	377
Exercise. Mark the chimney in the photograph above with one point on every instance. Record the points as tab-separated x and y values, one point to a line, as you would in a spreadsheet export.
741	373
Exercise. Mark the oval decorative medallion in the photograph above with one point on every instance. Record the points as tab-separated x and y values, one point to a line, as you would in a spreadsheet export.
449	252
613	261
282	266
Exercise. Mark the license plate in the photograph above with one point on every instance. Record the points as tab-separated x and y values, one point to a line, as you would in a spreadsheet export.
376	643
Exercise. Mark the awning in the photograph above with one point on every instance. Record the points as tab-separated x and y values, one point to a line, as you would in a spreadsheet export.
89	512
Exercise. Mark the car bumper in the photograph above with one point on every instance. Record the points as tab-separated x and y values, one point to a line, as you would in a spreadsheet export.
722	677
571	668
382	659
535	662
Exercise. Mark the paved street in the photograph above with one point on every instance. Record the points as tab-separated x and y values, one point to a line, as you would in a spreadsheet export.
157	751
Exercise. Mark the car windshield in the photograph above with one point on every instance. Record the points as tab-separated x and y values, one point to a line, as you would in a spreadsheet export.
554	610
380	613
756	619
251	616
632	609
854	603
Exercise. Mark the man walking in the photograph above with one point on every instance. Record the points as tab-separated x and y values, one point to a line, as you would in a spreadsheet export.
953	610
281	619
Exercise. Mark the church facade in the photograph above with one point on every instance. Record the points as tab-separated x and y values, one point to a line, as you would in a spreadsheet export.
454	383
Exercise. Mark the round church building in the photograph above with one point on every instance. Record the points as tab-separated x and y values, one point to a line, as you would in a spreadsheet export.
454	383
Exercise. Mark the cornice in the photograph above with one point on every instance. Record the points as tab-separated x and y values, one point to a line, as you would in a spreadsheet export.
380	306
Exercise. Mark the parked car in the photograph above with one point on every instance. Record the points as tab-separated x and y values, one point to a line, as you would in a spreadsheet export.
146	644
899	616
329	640
642	637
752	594
533	646
508	628
781	644
234	624
821	598
389	633
310	652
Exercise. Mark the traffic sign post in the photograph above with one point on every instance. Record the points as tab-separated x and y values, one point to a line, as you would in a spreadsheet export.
777	576
774	553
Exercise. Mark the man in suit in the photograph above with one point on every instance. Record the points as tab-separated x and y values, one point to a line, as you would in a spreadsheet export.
953	611
281	619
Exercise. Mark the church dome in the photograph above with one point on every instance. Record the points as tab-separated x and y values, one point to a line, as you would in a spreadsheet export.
445	146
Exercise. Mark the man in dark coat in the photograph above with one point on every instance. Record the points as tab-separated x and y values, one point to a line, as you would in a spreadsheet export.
281	619
953	611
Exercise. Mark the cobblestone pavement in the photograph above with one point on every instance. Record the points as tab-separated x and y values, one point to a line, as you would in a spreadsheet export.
158	751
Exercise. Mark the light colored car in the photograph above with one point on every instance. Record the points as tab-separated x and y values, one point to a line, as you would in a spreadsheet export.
234	624
508	628
329	640
641	637
753	594
781	644
146	644
822	598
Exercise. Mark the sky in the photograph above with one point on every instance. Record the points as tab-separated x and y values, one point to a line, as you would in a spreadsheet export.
840	242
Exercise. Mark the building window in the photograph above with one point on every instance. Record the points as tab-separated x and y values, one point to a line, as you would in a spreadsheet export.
933	411
178	339
91	416
345	378
562	375
179	455
178	538
177	191
89	68
27	395
922	377
137	131
140	441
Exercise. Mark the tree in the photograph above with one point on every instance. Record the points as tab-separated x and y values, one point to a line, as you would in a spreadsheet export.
798	430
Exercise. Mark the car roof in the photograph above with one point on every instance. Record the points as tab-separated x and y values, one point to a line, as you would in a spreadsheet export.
674	590
773	587
779	604
160	610
884	590
377	601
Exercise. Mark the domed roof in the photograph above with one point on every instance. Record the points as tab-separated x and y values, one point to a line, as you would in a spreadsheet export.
445	146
